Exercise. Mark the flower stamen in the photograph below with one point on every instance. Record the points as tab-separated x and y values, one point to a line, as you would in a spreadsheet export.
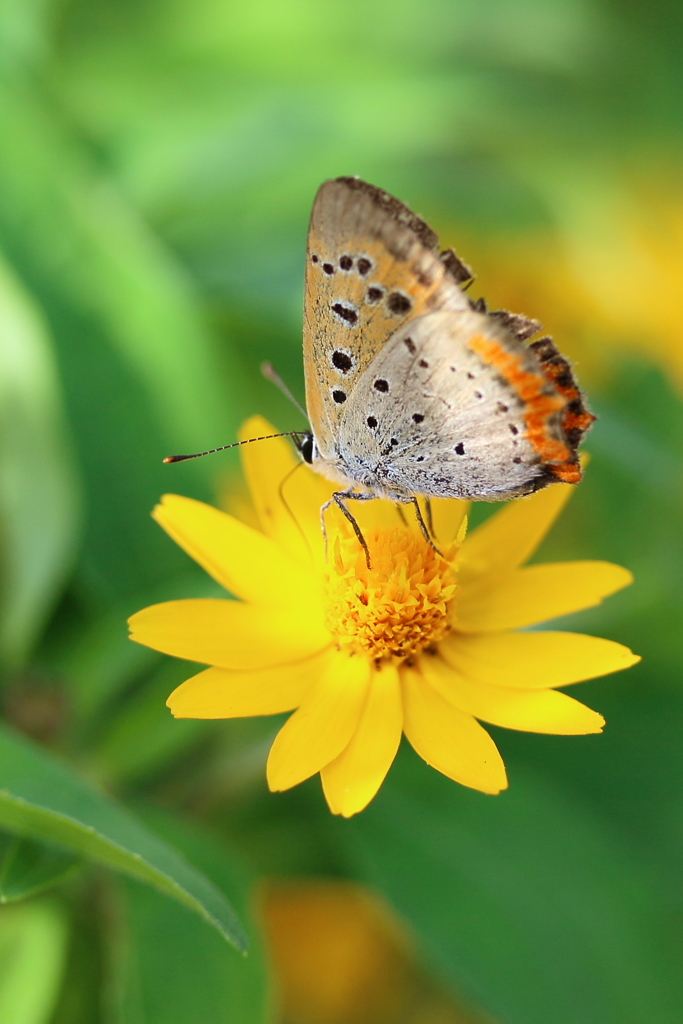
397	606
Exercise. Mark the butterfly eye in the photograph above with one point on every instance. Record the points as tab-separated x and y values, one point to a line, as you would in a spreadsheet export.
306	448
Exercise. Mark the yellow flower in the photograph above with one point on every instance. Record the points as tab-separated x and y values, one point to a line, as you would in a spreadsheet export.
418	643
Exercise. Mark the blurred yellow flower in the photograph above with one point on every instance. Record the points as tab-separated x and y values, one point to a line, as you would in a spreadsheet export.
606	277
418	643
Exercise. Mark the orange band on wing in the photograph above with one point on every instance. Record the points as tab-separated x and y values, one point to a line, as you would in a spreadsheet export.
538	406
576	416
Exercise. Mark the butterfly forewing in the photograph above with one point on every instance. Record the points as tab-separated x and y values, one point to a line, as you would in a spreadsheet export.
372	266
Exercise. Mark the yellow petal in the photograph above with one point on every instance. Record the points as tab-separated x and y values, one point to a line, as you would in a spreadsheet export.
286	493
248	564
353	778
448	739
509	537
447	517
229	634
220	693
528	710
534	660
524	597
323	725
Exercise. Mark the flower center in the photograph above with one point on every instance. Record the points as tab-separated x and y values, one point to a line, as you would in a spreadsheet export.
396	608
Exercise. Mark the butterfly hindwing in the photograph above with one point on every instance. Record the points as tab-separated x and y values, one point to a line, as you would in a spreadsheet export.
372	266
455	406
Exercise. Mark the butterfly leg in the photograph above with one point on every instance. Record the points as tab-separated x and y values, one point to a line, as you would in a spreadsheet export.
430	520
338	499
423	526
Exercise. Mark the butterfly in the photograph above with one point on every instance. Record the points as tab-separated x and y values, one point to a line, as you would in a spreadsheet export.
412	388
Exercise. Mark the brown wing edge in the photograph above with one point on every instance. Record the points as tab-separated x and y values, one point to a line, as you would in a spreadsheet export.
398	211
577	417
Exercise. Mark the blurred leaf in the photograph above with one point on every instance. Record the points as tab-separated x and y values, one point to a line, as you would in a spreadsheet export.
42	798
528	902
38	491
121	276
171	967
144	735
99	661
141	370
28	867
32	951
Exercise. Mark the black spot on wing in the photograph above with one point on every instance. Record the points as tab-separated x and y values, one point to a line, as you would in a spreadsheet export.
328	269
399	304
381	385
339	397
374	294
347	313
459	448
342	360
345	262
364	266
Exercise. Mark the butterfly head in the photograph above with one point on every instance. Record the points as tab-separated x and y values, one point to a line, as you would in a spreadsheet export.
306	446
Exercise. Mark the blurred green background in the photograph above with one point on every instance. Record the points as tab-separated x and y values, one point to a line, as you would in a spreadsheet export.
158	160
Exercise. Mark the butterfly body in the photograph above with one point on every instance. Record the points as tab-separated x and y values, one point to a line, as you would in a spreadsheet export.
412	389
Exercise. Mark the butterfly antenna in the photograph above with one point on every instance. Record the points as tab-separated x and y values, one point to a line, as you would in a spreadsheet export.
236	444
270	374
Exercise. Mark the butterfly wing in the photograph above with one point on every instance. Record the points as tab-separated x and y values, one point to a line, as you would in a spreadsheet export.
371	266
456	406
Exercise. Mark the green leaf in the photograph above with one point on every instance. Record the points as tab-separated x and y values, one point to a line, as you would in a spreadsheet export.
33	940
41	797
526	902
36	474
214	984
28	867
